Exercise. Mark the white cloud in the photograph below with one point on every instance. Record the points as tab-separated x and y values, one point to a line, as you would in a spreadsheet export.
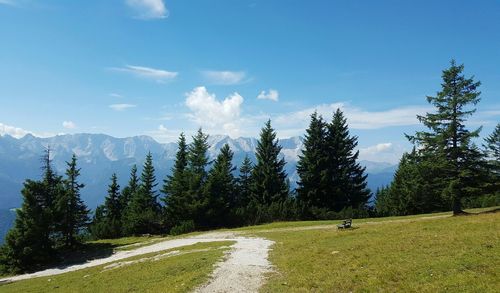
12	131
272	95
357	118
18	132
375	149
115	95
212	114
158	75
224	77
121	107
69	124
164	134
383	152
148	9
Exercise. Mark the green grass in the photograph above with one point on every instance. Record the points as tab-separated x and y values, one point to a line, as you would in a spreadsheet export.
286	225
421	253
452	254
180	273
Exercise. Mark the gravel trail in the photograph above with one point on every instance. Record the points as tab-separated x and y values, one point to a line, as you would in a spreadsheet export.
242	269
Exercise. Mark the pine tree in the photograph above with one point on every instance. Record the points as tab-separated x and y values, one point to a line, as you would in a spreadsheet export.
384	205
30	243
492	144
107	219
311	167
176	199
130	189
345	178
219	190
196	175
448	144
141	215
244	182
72	213
269	179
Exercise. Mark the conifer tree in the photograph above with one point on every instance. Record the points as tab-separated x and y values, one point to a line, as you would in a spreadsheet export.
311	167
176	199
492	154
30	243
107	219
244	182
492	145
72	213
448	143
219	190
269	179
141	215
130	189
345	178
196	175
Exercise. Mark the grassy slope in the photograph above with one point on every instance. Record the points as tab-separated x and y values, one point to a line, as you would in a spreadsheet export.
179	273
423	253
454	254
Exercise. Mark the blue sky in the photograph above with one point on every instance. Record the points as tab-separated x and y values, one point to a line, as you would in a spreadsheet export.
133	67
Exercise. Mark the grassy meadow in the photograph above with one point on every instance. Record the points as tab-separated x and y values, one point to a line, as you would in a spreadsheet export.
433	254
422	253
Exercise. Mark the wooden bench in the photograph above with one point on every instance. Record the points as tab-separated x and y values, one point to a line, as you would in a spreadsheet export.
345	224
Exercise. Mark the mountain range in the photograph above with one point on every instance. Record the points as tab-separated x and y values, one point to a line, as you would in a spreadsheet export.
101	155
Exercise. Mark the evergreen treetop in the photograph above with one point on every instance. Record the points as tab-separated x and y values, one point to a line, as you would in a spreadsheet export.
269	179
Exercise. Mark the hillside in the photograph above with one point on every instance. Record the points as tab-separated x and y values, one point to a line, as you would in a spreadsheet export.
423	253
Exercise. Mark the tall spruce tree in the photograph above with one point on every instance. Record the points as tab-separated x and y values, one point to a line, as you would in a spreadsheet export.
220	190
269	179
30	243
448	143
176	199
130	189
72	213
196	175
345	178
142	213
311	167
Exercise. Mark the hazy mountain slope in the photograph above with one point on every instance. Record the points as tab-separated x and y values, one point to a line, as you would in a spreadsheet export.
7	218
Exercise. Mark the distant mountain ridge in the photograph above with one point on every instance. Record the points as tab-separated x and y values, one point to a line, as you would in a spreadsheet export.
100	155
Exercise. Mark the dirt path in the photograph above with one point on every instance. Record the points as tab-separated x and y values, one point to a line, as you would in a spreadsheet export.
244	268
241	271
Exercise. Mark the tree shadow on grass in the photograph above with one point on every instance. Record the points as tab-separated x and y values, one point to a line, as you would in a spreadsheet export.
464	213
82	254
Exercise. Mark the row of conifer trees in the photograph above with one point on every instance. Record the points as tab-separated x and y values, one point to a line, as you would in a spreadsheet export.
198	194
